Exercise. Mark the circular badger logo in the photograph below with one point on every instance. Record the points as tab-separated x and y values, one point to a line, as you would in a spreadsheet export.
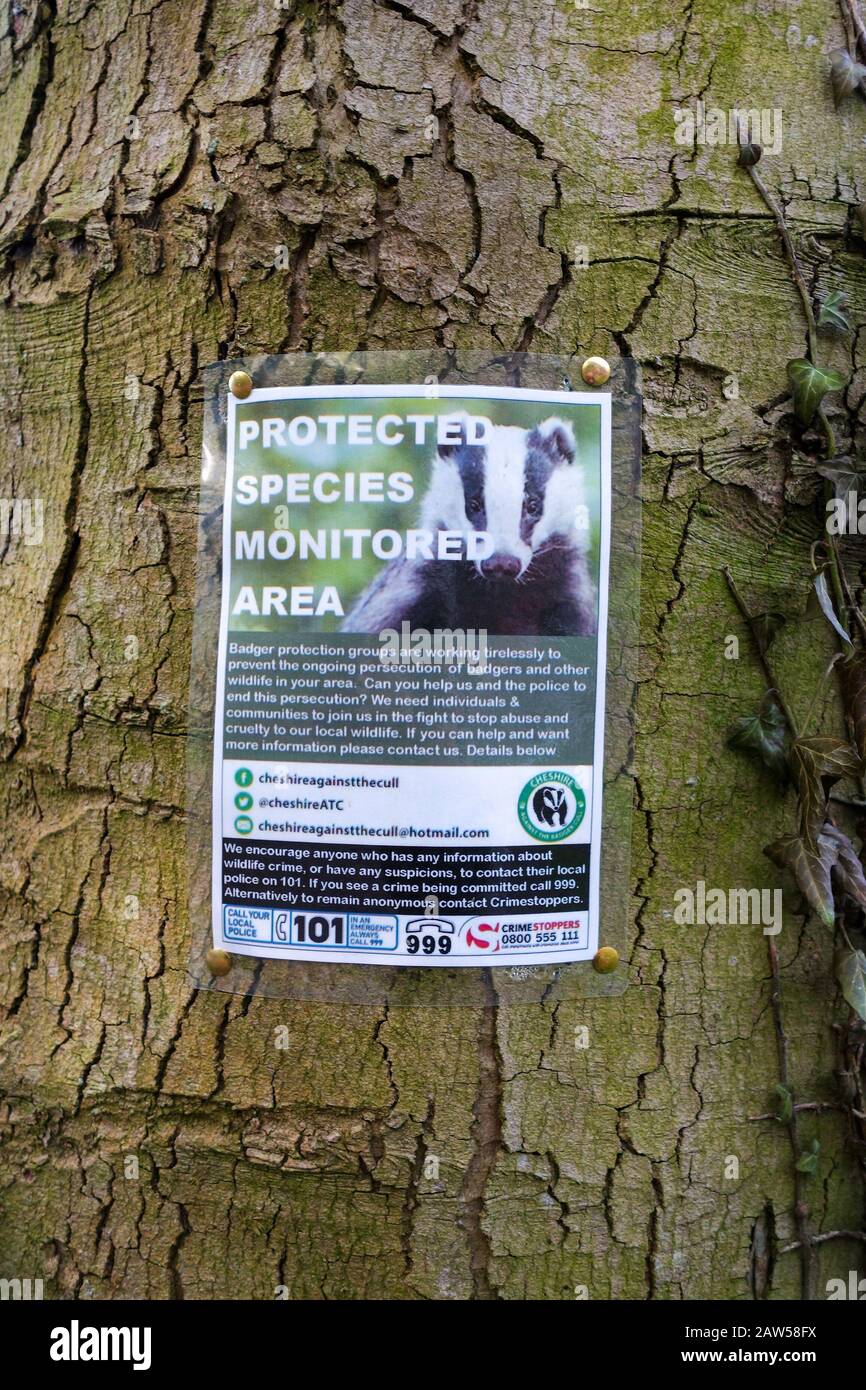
551	806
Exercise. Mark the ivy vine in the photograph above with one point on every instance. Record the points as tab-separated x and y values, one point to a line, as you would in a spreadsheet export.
817	851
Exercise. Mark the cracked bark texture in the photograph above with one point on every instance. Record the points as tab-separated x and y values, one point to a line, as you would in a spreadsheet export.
426	172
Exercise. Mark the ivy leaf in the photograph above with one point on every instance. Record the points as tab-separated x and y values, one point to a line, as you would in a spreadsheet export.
847	866
765	626
853	673
817	763
831	313
851	974
811	868
846	74
827	608
766	734
785	1109
812	797
749	155
808	1161
830	757
809	386
844	473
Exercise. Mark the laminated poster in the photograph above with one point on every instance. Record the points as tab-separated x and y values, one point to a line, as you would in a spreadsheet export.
409	718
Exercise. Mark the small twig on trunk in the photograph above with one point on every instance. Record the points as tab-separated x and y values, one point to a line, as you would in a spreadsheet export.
824	1236
760	647
816	1105
801	286
791	256
801	1206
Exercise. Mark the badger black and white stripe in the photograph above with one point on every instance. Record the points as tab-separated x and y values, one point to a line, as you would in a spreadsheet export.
524	489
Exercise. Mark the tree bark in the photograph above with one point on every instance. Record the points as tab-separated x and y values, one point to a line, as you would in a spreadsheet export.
193	180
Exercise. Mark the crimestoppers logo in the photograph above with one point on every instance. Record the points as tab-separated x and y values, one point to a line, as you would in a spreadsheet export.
551	806
483	936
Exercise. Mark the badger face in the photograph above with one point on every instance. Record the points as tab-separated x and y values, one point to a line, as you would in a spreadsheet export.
550	805
522	487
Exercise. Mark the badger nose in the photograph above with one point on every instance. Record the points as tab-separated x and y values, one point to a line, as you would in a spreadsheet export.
501	567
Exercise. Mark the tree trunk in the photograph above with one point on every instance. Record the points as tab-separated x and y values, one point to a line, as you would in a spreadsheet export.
195	180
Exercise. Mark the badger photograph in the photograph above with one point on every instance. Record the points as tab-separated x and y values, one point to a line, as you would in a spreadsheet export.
460	512
523	489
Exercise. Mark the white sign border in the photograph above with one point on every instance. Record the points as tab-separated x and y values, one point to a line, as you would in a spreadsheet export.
431	392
